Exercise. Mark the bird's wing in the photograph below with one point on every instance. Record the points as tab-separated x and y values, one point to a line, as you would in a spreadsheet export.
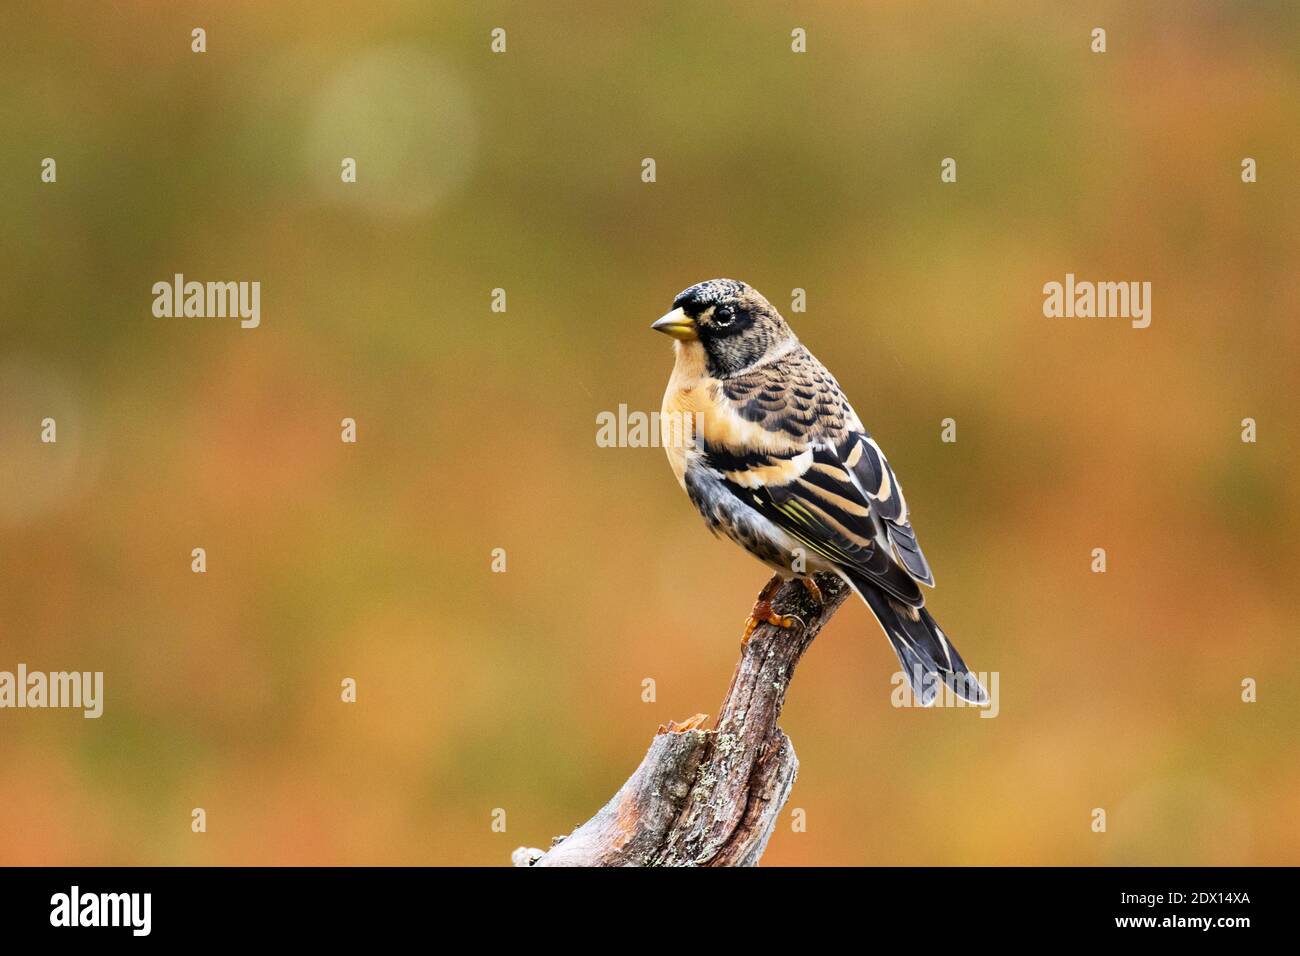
869	469
814	472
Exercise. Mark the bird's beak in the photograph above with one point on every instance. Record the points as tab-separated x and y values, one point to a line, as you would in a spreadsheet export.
677	324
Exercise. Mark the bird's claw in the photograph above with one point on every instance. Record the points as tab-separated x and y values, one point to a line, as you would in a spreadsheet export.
813	589
763	614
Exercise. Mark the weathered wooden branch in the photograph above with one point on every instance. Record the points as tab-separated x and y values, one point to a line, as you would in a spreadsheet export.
710	797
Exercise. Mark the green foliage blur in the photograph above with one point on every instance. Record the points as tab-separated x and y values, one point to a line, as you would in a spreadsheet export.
521	171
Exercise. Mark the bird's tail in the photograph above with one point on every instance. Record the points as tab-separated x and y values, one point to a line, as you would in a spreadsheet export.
925	652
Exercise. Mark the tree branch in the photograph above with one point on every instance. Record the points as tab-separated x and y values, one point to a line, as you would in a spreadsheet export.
710	797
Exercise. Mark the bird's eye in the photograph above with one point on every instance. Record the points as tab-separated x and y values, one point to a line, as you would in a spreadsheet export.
723	318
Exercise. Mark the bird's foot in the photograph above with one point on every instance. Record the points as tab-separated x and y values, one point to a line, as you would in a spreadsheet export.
763	614
813	589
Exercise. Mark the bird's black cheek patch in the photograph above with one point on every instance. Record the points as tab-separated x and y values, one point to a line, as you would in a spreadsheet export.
732	353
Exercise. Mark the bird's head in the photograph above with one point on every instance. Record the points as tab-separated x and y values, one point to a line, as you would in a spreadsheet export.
734	325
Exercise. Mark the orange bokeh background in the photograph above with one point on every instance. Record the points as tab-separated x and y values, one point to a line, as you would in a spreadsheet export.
521	171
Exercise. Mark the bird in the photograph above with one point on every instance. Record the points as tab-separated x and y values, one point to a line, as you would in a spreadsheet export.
774	457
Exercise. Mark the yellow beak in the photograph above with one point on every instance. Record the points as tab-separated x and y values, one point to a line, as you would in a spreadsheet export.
677	324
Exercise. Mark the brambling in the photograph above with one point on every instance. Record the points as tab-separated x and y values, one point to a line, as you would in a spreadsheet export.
777	460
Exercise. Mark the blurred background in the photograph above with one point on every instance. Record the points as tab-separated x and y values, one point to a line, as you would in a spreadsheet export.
476	430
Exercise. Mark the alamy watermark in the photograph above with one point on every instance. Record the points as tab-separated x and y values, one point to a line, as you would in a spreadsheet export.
945	690
83	690
637	429
209	300
1102	300
75	908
